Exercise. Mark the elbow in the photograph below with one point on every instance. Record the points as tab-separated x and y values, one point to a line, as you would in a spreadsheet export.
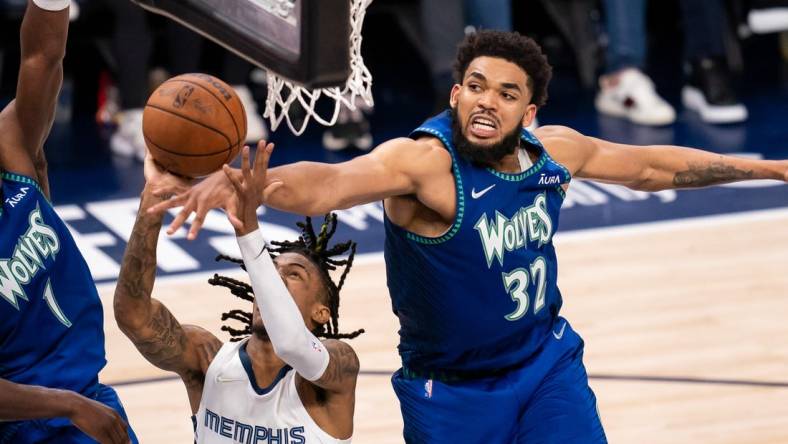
127	318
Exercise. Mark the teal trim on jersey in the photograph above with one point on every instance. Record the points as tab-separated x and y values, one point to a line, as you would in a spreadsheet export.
567	175
22	179
561	191
520	176
246	361
460	196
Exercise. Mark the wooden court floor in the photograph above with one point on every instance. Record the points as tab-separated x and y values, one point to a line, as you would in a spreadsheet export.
685	323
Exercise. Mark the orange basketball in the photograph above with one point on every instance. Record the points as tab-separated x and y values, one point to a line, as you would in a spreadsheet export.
193	124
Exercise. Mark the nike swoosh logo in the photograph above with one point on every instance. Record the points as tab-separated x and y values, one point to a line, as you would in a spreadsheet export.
481	193
560	333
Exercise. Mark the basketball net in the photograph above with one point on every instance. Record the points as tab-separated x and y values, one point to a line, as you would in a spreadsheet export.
283	93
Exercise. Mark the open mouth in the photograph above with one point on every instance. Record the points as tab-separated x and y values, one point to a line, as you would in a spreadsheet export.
483	126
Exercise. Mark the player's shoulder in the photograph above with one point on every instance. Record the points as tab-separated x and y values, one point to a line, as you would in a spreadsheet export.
556	132
423	154
561	141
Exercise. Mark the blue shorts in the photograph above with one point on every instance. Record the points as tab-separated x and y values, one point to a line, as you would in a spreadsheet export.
546	400
60	430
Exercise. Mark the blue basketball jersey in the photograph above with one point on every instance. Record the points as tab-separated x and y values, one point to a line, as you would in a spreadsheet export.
482	296
51	318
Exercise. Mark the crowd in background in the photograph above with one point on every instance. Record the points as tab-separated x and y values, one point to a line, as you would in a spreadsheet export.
608	41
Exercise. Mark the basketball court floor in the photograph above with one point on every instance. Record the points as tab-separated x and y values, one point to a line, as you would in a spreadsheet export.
681	296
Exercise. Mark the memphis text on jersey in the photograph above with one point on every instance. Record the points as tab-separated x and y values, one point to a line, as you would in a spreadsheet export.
252	434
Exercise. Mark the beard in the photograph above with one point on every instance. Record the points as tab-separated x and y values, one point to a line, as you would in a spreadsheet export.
258	329
483	155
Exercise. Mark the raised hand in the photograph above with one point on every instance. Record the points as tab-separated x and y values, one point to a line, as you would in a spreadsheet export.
98	421
251	189
160	181
215	191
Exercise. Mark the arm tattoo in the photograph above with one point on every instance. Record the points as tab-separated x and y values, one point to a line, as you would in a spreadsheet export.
699	175
148	323
342	367
162	342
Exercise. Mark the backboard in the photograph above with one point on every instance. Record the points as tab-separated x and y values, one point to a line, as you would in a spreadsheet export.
305	41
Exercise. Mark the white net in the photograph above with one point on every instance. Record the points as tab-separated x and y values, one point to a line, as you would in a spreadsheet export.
282	93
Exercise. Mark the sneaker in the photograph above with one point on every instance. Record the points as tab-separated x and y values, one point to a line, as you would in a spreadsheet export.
351	129
630	94
255	128
768	16
709	92
128	141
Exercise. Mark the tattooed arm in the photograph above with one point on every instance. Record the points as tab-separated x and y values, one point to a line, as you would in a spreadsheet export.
651	168
162	340
342	371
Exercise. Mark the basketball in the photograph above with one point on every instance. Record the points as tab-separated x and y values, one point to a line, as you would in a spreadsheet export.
193	124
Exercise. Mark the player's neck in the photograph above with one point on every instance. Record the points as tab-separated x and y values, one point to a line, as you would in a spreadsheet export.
265	363
508	163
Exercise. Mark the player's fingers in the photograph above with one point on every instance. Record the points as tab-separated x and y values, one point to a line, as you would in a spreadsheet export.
180	219
165	205
245	165
235	222
234	180
262	166
271	188
197	223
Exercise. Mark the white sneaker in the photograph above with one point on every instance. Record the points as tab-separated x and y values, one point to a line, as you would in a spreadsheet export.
694	99
255	128
630	94
128	141
764	21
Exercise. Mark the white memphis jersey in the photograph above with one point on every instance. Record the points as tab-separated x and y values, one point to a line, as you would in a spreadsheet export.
234	409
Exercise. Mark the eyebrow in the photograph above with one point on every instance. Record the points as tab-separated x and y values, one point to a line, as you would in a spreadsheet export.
504	85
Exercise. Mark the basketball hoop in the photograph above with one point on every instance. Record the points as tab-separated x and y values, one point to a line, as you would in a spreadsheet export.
283	93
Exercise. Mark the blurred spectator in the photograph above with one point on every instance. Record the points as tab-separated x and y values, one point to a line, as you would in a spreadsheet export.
625	91
435	29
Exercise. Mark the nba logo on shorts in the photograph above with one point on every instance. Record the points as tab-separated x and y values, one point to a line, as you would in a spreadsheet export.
428	389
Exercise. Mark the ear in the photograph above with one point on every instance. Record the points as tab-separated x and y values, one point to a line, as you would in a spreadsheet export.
454	96
320	314
530	114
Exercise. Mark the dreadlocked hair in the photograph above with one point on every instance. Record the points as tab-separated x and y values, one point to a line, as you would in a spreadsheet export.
313	246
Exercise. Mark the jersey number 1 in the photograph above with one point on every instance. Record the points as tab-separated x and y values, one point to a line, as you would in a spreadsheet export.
52	303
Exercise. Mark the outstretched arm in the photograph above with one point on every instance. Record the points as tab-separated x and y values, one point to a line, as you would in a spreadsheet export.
332	365
186	350
652	168
26	121
397	167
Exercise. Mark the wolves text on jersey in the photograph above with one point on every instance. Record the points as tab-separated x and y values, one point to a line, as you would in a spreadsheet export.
39	242
530	223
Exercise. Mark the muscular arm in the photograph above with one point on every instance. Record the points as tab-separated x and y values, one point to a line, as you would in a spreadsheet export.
19	402
652	168
26	121
342	370
394	168
155	332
